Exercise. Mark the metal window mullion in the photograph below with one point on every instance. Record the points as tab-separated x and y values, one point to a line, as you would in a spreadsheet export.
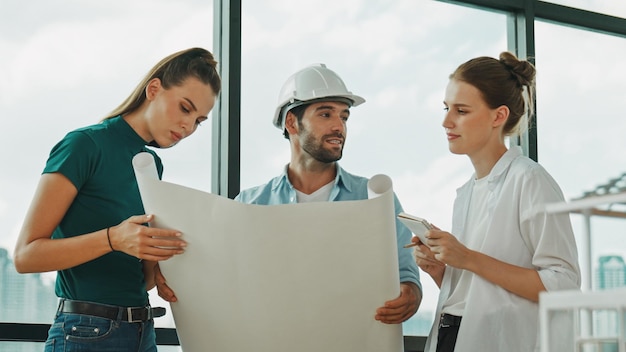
226	156
521	42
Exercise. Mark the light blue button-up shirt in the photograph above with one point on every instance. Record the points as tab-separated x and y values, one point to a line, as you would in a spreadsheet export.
346	187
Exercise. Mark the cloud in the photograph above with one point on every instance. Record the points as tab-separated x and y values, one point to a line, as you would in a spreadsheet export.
121	42
429	191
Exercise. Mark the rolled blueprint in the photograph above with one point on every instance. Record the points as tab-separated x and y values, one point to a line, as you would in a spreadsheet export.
379	185
144	166
278	278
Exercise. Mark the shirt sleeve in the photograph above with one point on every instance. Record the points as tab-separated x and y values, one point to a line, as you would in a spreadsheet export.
75	157
409	271
549	236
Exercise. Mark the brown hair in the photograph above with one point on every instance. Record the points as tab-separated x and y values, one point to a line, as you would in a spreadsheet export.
172	71
508	81
298	111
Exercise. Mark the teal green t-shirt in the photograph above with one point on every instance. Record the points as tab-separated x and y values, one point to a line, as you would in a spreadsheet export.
98	160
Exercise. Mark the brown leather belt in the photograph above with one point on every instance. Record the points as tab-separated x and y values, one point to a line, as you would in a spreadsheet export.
128	314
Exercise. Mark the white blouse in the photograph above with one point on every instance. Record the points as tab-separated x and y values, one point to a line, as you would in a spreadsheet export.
519	233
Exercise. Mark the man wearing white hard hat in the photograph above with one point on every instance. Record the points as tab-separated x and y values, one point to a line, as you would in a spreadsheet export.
313	110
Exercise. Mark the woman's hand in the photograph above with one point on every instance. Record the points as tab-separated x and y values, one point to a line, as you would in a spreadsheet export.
448	250
143	242
426	261
163	289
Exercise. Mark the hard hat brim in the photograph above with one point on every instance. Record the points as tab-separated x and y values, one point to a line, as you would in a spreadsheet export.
282	110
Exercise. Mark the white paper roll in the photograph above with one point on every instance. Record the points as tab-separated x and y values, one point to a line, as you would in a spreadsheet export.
378	185
144	165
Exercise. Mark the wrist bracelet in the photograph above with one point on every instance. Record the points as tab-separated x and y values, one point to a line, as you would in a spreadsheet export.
109	239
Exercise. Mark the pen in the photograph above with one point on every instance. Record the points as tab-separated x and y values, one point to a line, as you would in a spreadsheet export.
412	244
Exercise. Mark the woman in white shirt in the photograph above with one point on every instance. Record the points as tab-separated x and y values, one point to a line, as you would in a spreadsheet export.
502	250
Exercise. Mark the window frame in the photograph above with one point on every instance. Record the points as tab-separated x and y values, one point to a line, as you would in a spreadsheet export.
226	139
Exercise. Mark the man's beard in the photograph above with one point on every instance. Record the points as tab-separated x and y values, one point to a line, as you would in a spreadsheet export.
314	147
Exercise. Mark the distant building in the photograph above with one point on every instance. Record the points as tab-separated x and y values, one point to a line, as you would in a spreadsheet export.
611	272
24	298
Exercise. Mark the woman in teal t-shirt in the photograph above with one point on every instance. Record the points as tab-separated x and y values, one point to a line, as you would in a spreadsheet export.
86	220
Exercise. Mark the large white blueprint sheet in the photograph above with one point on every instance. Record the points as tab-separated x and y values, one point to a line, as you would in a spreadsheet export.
296	277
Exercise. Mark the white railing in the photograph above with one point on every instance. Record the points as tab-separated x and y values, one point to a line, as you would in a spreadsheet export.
595	321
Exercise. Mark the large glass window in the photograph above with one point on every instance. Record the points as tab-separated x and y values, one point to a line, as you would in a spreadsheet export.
397	55
66	64
581	129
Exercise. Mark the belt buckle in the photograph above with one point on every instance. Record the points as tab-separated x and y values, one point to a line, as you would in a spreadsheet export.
441	322
129	312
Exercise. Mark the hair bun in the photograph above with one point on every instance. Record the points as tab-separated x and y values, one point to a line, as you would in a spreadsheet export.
522	70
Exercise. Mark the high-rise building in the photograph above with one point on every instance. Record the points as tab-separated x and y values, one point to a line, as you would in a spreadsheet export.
24	297
611	272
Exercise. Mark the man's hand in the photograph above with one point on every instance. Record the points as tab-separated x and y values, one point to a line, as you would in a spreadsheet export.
164	291
402	308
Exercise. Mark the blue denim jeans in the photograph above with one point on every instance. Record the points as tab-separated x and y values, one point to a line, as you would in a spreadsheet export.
83	333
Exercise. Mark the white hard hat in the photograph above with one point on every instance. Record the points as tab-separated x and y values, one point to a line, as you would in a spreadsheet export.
312	83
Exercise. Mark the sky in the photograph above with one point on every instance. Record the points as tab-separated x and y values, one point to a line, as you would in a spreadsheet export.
65	64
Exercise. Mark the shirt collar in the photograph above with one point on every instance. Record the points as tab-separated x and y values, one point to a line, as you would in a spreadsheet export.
283	179
124	130
502	165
